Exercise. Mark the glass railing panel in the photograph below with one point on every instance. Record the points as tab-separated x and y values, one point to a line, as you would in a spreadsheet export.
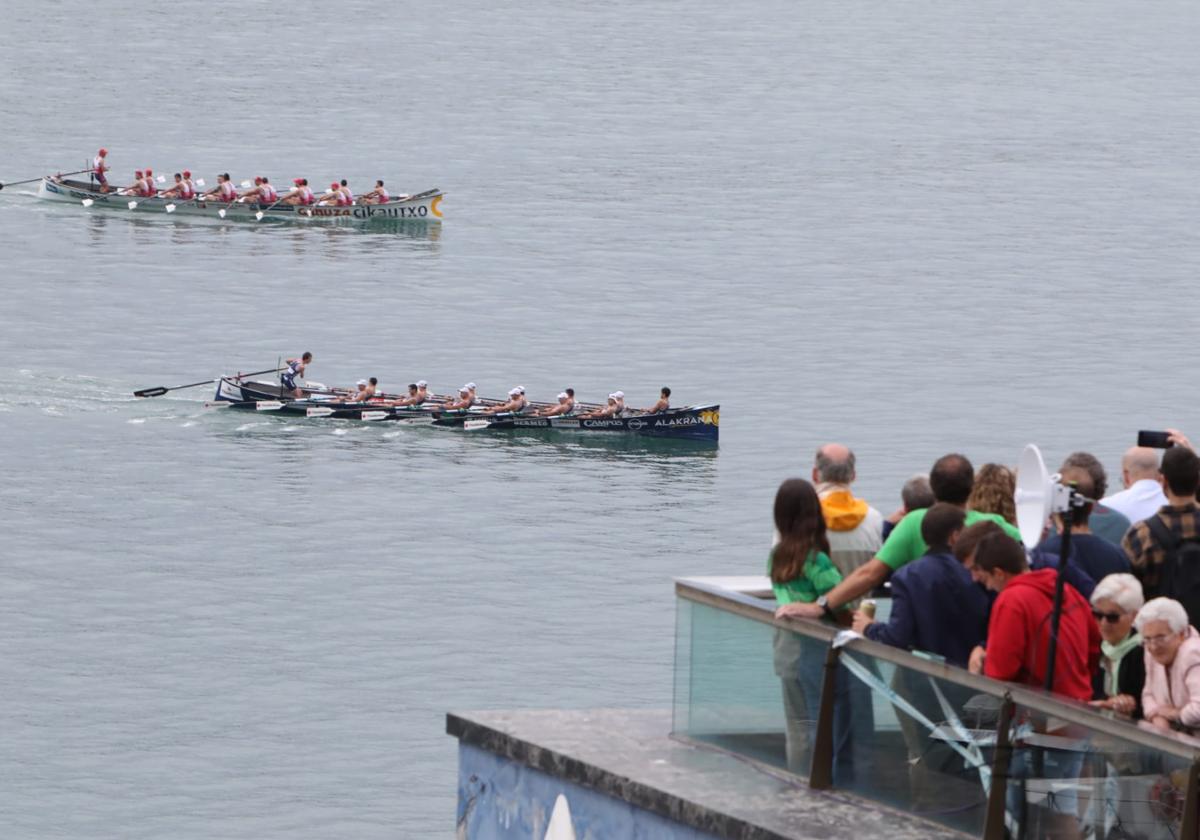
748	687
1067	780
916	734
920	743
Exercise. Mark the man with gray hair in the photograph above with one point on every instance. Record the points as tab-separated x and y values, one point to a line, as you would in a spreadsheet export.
855	529
1143	495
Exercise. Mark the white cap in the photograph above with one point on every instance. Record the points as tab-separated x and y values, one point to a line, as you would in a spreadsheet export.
515	392
466	389
613	396
421	383
563	395
361	382
470	386
620	395
521	389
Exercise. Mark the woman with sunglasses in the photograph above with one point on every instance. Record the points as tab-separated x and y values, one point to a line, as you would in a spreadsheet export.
1119	680
1171	698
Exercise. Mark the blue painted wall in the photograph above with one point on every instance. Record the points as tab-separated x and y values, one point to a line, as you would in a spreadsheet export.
502	800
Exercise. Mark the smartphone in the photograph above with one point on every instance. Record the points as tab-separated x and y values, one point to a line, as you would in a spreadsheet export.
1155	440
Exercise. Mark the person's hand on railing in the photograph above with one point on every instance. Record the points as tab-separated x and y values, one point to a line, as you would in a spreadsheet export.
798	609
1123	703
975	663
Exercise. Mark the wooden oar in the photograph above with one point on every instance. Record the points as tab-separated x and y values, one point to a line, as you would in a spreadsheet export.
32	180
159	391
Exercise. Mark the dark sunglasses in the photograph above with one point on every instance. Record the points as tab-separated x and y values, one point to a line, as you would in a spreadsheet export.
1111	618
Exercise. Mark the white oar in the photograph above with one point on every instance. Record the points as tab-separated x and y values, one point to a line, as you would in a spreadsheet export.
375	415
319	411
268	405
476	425
88	202
162	179
132	205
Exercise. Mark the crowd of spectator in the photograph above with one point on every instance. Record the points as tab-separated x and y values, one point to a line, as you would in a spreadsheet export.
964	588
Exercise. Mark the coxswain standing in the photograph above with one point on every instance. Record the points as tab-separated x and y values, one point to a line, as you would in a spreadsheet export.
99	167
516	402
295	367
379	195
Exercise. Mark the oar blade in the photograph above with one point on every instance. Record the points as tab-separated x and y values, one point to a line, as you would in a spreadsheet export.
150	392
374	415
268	405
132	205
259	215
221	212
170	208
476	425
319	411
88	202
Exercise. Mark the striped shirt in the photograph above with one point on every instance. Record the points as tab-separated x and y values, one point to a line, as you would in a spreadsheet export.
1146	555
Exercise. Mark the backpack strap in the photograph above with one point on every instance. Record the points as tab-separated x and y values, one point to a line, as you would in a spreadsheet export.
1164	535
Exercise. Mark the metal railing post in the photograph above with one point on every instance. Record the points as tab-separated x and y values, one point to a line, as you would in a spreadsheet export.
993	822
1190	829
820	776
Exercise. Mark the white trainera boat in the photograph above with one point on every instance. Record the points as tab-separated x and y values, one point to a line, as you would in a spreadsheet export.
422	207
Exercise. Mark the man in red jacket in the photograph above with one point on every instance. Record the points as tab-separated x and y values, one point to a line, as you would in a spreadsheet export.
1019	628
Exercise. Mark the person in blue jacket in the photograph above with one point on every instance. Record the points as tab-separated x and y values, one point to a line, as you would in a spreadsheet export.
936	606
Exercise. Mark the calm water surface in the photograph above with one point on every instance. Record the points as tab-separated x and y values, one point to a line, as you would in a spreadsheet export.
913	227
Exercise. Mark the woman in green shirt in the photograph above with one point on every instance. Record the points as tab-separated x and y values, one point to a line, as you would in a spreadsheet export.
801	570
799	565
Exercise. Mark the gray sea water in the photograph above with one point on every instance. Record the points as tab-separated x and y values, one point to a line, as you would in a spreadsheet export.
912	227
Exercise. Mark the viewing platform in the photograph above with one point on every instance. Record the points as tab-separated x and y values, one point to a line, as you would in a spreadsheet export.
752	748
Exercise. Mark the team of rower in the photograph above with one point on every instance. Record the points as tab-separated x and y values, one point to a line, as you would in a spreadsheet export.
263	192
517	403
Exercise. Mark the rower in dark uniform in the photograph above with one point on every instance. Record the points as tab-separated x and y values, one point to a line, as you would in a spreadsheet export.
295	367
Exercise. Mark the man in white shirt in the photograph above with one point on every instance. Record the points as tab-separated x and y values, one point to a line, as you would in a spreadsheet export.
1143	494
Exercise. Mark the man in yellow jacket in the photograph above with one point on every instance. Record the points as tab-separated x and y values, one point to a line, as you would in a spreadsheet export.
855	529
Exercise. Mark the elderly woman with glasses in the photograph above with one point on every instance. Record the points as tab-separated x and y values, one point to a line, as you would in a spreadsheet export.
1119	681
1171	698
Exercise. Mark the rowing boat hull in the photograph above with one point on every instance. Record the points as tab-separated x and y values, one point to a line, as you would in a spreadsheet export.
424	207
257	395
700	422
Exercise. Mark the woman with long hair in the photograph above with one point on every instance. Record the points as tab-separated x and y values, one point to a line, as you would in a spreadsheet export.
801	573
799	565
